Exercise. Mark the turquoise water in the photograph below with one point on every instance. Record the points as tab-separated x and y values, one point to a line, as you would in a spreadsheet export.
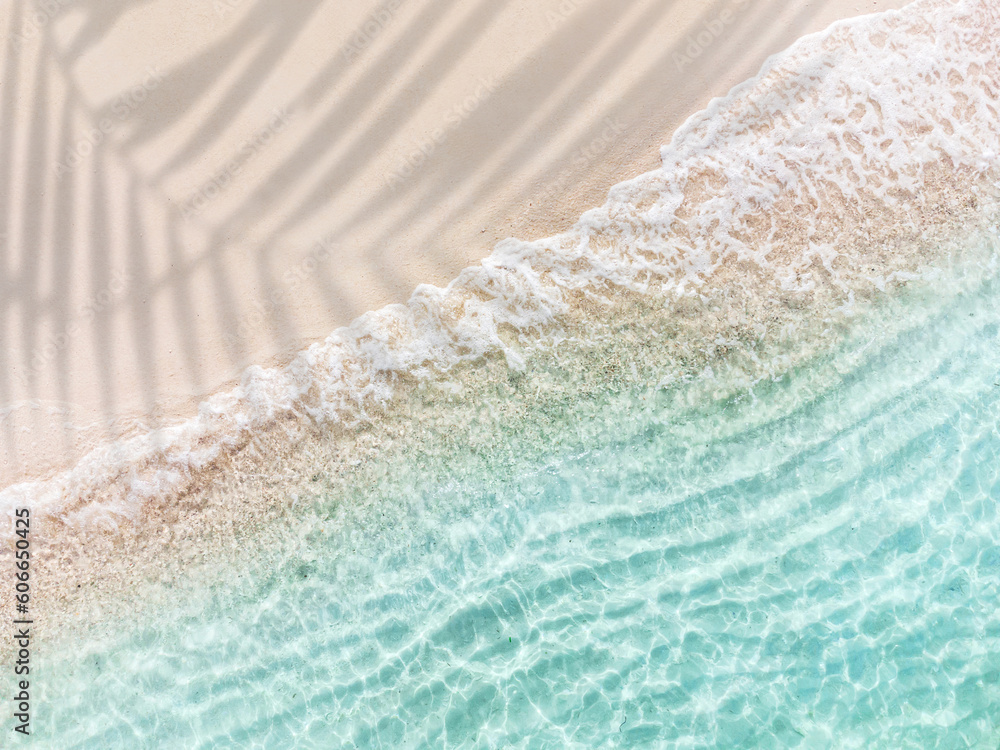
814	563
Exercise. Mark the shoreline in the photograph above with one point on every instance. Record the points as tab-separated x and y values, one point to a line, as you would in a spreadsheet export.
767	280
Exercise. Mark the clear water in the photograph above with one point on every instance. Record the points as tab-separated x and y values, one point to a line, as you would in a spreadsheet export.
813	565
617	545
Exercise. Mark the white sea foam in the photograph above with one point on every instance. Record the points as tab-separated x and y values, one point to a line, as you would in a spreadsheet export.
758	186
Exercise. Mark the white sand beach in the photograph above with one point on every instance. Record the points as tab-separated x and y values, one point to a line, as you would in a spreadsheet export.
192	187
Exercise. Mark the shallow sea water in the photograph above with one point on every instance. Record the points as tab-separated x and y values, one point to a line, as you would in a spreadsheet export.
814	563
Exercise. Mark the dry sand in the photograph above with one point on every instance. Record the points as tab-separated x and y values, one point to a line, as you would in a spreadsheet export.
192	186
